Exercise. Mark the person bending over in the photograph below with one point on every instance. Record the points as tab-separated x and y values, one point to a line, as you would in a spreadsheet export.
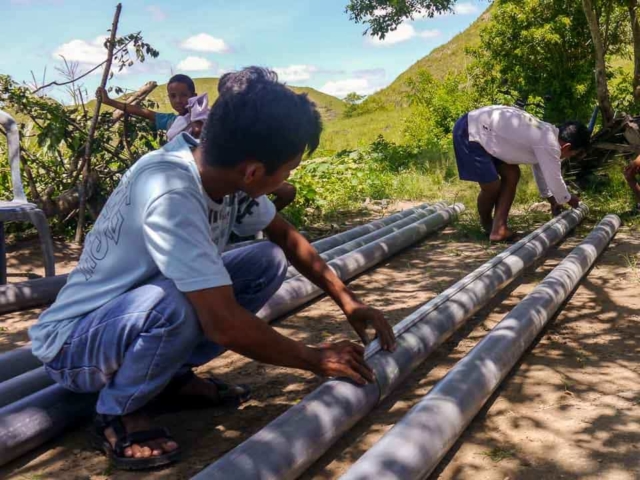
491	142
631	172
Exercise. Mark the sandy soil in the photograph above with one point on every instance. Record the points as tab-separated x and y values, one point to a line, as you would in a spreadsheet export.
569	410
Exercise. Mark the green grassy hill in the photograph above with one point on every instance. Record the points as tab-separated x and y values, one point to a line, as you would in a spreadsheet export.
330	107
448	58
349	133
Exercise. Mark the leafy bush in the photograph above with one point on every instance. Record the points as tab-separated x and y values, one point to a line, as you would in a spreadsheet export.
341	182
358	105
52	138
435	107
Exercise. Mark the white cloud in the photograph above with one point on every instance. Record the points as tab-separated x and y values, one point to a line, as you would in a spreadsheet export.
466	9
404	32
340	88
379	12
295	73
363	82
148	67
81	51
203	42
156	13
91	53
195	64
429	34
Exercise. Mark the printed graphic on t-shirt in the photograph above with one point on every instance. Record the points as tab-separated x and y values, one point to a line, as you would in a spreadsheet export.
234	212
106	230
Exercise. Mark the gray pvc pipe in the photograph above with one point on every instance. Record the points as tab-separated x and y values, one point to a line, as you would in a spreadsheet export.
328	243
30	422
418	214
30	294
299	290
346	267
23	385
288	445
17	362
413	448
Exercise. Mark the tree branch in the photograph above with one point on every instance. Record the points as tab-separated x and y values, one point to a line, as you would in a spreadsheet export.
134	99
61	84
604	100
92	129
632	5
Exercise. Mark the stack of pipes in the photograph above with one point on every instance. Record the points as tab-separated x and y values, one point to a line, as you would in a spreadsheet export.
290	444
415	445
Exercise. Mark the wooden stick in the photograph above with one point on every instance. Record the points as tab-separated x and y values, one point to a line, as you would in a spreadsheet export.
134	99
86	167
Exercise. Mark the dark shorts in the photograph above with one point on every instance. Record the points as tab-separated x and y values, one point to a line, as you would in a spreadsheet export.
475	164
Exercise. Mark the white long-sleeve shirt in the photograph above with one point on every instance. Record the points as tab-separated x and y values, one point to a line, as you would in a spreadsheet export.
516	137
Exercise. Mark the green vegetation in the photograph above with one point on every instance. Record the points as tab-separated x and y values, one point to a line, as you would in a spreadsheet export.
330	107
450	58
394	144
498	454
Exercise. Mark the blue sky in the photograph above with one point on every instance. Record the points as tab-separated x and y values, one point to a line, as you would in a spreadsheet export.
309	42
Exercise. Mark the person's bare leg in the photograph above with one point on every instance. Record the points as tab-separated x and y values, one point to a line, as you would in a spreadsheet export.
487	199
632	181
509	178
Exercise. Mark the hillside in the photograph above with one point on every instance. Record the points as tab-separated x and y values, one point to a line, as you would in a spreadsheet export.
330	107
448	58
349	133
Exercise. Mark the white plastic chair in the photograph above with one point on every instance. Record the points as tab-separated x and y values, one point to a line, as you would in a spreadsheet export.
19	209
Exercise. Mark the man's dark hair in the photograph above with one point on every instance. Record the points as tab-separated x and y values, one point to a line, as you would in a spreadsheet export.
255	117
575	133
185	80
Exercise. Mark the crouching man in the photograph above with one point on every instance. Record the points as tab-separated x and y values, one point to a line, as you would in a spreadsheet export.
152	296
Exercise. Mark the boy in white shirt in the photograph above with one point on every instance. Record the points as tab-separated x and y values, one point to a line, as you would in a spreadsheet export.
491	142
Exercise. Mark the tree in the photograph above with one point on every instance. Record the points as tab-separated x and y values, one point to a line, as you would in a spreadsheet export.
55	139
538	48
603	22
602	89
435	107
634	13
384	16
352	100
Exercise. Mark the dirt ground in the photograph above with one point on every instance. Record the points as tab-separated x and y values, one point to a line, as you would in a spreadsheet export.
569	410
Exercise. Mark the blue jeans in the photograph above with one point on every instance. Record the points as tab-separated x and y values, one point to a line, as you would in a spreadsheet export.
130	348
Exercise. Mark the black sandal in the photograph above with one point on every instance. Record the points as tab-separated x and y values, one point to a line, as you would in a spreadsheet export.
230	396
125	439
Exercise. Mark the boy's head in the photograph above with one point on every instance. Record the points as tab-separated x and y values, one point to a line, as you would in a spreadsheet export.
574	138
180	89
260	127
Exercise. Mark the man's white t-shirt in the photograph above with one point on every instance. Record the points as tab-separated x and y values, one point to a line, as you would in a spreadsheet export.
517	137
159	220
